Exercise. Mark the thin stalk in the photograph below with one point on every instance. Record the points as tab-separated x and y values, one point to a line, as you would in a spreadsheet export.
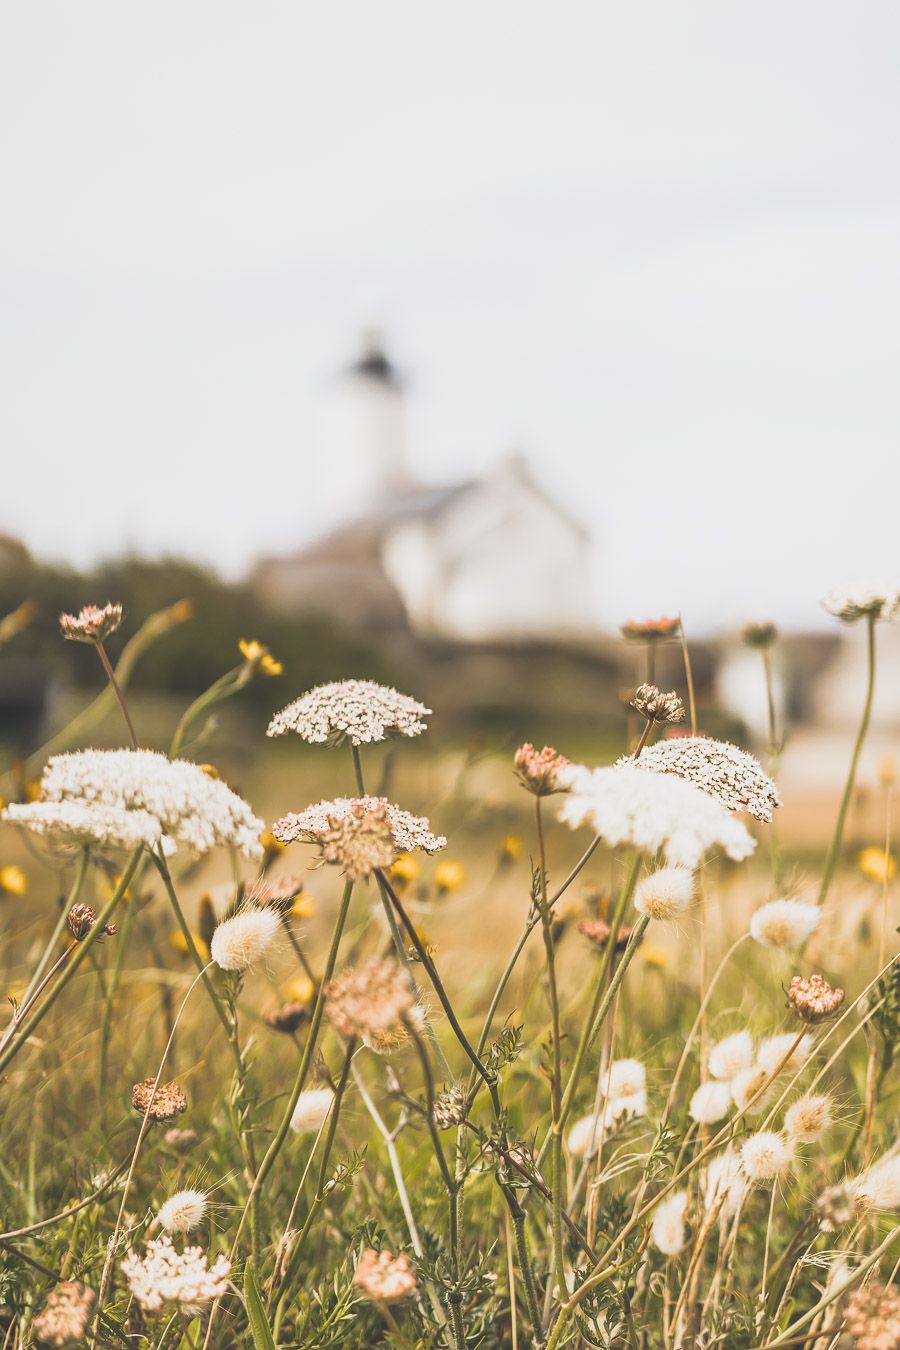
117	690
60	925
230	683
688	675
559	1202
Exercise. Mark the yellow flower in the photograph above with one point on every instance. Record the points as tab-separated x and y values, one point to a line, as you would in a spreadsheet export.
271	846
405	868
877	865
303	906
178	943
300	990
449	876
511	846
260	657
657	958
12	880
887	771
32	792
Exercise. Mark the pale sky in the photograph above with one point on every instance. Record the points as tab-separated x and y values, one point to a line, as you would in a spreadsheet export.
656	246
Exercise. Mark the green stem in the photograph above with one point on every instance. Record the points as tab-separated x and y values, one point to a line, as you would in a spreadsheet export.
531	1296
559	1202
60	926
117	690
230	683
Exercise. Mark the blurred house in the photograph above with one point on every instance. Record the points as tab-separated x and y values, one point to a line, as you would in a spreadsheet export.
492	558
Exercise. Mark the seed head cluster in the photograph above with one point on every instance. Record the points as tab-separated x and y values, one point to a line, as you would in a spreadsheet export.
94	623
167	1102
359	711
371	1002
814	999
539	770
656	706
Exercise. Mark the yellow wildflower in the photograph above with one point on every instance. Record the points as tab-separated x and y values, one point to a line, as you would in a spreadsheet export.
12	880
178	943
405	868
300	990
511	846
271	846
887	771
449	876
260	657
303	906
657	958
877	865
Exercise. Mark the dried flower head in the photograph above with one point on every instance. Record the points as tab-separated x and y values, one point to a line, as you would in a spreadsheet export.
242	940
359	840
766	1156
710	1102
409	832
538	769
724	1183
371	1001
312	1110
650	630
656	706
668	1231
597	932
91	624
718	768
837	1206
66	1316
288	1017
879	1186
449	1108
183	1211
165	1103
752	1090
807	1119
784	923
627	804
81	919
759	635
814	999
165	1277
731	1054
383	1277
873	1318
878	600
666	893
360	711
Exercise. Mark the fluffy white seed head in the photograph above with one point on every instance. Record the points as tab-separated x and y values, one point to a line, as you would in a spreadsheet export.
746	1085
879	1186
311	1110
784	924
773	1049
807	1119
584	1136
626	1078
665	894
619	1108
183	1211
725	1182
668	1232
730	1055
711	1102
242	940
766	1156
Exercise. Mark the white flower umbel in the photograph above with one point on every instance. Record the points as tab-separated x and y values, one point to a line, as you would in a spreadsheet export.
730	1055
630	805
189	805
666	893
724	1181
242	940
879	1186
710	1102
880	599
183	1211
718	768
359	711
310	825
766	1156
165	1277
584	1136
807	1119
668	1232
784	924
773	1049
75	823
312	1110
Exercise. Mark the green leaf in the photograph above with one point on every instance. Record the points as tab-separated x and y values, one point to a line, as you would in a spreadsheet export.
259	1327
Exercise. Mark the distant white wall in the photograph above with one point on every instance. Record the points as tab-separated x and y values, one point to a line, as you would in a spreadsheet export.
361	446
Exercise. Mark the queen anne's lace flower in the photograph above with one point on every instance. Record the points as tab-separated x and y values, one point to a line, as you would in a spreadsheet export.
384	1277
656	706
165	1100
360	711
538	769
373	1001
873	1318
66	1316
880	599
359	841
814	999
626	804
91	624
315	822
718	768
668	1232
75	823
165	1277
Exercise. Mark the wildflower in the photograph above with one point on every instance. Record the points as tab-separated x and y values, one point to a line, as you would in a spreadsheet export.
404	869
597	932
241	940
657	958
759	635
656	706
731	1054
710	1102
766	1156
288	1017
12	880
773	1049
359	840
668	1231
356	710
81	825
409	832
876	864
260	658
626	1078
806	1119
81	919
627	804
181	1140
666	893
627	1107
449	876
584	1136
876	600
164	1276
183	1211
91	624
179	943
650	630
312	1110
784	923
449	1108
887	771
511	847
837	1206
66	1315
383	1277
722	770
724	1183
271	847
751	1089
538	770
301	989
165	1103
814	999
273	893
873	1317
371	1001
879	1186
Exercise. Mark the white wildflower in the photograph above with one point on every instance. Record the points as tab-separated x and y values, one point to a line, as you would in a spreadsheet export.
625	1078
733	777
730	1055
632	1105
584	1136
666	893
82	824
630	805
784	923
773	1049
752	1089
183	1211
311	825
724	1182
359	710
710	1102
807	1119
766	1156
241	940
879	1186
311	1110
164	1276
880	599
668	1231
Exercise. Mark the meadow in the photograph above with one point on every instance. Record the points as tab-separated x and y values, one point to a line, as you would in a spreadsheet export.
546	1054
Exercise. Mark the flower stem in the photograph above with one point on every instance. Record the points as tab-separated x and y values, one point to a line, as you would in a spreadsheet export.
688	675
117	690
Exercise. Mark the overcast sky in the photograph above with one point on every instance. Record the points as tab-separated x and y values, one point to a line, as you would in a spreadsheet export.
655	246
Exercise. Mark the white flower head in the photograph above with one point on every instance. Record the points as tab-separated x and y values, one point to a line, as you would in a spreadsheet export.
241	941
312	1110
668	1232
752	1090
626	1078
626	804
710	1102
879	1186
732	776
166	1277
359	711
766	1156
724	1182
666	893
409	832
584	1136
730	1055
628	1107
807	1119
773	1049
879	599
784	923
183	1211
82	824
